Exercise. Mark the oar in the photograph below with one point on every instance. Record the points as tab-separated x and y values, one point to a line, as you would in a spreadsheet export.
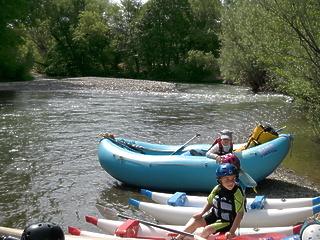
247	180
280	129
195	136
126	146
111	214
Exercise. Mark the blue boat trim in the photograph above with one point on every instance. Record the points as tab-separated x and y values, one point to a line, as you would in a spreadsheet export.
146	193
293	237
258	202
134	202
316	209
178	199
316	201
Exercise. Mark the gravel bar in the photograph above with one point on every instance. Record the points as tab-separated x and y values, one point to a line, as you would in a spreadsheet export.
96	83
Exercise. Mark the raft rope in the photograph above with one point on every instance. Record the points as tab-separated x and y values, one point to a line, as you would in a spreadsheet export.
122	144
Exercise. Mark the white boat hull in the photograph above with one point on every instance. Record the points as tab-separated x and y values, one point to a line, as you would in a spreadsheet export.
269	203
110	226
252	218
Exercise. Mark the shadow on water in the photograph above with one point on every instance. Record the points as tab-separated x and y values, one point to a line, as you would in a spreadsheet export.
7	95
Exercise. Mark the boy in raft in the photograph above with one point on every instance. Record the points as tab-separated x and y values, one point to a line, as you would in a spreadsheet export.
227	204
221	146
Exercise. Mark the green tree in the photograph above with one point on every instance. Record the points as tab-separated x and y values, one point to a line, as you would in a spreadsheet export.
242	32
15	16
294	28
92	40
206	26
122	20
163	35
274	44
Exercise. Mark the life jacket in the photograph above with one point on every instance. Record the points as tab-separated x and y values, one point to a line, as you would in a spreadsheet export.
221	149
260	135
223	203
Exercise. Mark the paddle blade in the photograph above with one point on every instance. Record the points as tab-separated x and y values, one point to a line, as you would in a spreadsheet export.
247	180
107	212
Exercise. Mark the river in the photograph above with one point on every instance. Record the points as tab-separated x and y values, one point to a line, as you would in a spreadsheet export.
49	138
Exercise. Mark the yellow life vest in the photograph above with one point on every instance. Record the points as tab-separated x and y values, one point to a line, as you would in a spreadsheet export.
260	135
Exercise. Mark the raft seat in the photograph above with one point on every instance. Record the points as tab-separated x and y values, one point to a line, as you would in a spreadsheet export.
177	199
128	229
258	202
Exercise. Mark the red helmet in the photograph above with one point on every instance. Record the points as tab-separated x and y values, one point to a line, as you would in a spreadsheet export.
232	159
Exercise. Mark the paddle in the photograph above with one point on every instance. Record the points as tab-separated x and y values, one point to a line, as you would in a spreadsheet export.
280	129
247	180
122	144
180	148
111	214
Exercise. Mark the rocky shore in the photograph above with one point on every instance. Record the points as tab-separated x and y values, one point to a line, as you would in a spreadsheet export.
283	183
96	83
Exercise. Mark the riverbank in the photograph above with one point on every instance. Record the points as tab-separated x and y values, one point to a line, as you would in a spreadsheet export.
282	183
96	83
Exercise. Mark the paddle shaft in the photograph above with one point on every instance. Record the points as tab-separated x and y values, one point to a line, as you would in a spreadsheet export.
195	136
280	129
158	226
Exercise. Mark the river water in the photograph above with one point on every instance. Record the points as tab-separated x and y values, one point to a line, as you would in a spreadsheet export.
49	165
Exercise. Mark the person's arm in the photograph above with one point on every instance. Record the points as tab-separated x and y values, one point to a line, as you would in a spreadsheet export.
211	152
205	209
235	225
239	201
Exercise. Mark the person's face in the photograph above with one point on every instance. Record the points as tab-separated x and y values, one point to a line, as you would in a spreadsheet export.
228	181
225	141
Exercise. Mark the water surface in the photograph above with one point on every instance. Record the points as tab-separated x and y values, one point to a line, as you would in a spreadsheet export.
49	165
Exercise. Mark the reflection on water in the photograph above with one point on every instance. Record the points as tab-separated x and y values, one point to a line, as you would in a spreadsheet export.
49	164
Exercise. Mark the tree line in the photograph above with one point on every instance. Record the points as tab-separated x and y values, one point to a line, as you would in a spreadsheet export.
268	45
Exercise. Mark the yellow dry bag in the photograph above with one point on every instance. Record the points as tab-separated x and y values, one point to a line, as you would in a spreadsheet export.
259	135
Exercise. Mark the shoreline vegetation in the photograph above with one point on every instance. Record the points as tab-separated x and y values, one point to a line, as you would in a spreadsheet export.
264	45
283	183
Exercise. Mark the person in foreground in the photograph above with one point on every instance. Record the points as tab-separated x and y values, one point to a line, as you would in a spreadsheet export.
227	204
40	231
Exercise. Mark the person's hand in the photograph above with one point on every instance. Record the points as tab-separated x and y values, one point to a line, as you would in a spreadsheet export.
197	216
218	159
229	235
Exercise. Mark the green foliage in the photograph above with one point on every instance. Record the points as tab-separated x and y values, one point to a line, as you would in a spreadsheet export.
96	37
264	44
163	35
206	25
242	35
274	43
198	66
14	17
